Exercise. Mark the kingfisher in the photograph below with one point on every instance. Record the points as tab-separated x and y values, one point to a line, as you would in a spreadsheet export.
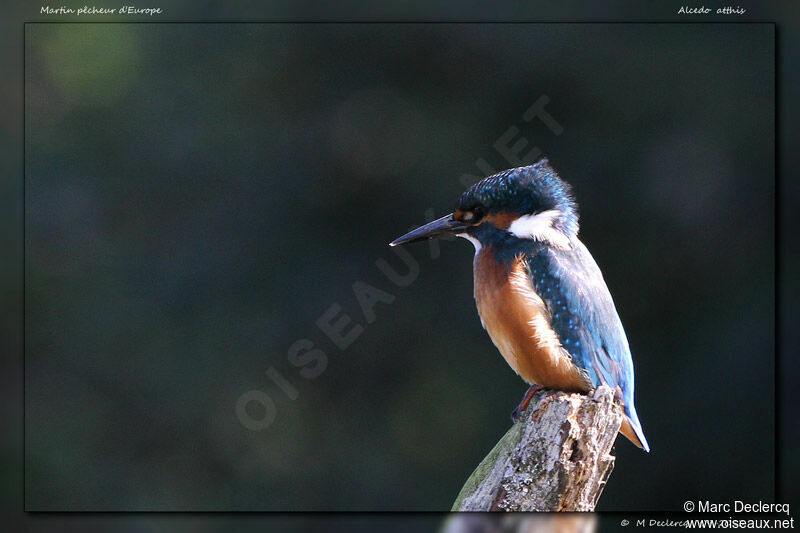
539	292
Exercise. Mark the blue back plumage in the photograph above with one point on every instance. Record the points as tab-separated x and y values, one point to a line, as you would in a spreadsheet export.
584	317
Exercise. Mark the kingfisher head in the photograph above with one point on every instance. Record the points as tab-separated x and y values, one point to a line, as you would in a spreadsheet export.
521	204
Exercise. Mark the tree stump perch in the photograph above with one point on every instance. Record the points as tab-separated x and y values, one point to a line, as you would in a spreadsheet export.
557	457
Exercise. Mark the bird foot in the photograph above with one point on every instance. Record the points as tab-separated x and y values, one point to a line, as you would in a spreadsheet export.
516	414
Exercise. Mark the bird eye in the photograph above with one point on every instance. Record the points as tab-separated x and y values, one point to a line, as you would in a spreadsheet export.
473	215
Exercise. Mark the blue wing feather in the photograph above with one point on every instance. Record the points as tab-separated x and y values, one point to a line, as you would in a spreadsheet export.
585	319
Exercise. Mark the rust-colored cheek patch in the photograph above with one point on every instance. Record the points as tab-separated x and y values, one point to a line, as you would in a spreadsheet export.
501	220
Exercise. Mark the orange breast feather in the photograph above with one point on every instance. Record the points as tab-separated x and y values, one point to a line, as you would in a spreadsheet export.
518	323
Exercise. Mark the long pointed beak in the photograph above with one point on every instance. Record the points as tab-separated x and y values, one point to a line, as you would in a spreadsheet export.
438	228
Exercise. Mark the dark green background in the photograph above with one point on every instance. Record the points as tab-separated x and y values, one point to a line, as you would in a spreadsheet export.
198	195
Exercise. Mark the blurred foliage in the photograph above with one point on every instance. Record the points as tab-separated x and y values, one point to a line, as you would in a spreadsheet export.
198	195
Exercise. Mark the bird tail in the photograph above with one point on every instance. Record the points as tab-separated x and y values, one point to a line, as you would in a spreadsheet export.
632	429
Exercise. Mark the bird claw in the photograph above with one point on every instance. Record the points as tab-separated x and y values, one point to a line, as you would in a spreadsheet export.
516	414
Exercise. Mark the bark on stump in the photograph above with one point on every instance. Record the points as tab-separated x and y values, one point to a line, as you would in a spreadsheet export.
557	457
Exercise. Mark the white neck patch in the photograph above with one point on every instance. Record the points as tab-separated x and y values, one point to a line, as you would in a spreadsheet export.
475	242
539	227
